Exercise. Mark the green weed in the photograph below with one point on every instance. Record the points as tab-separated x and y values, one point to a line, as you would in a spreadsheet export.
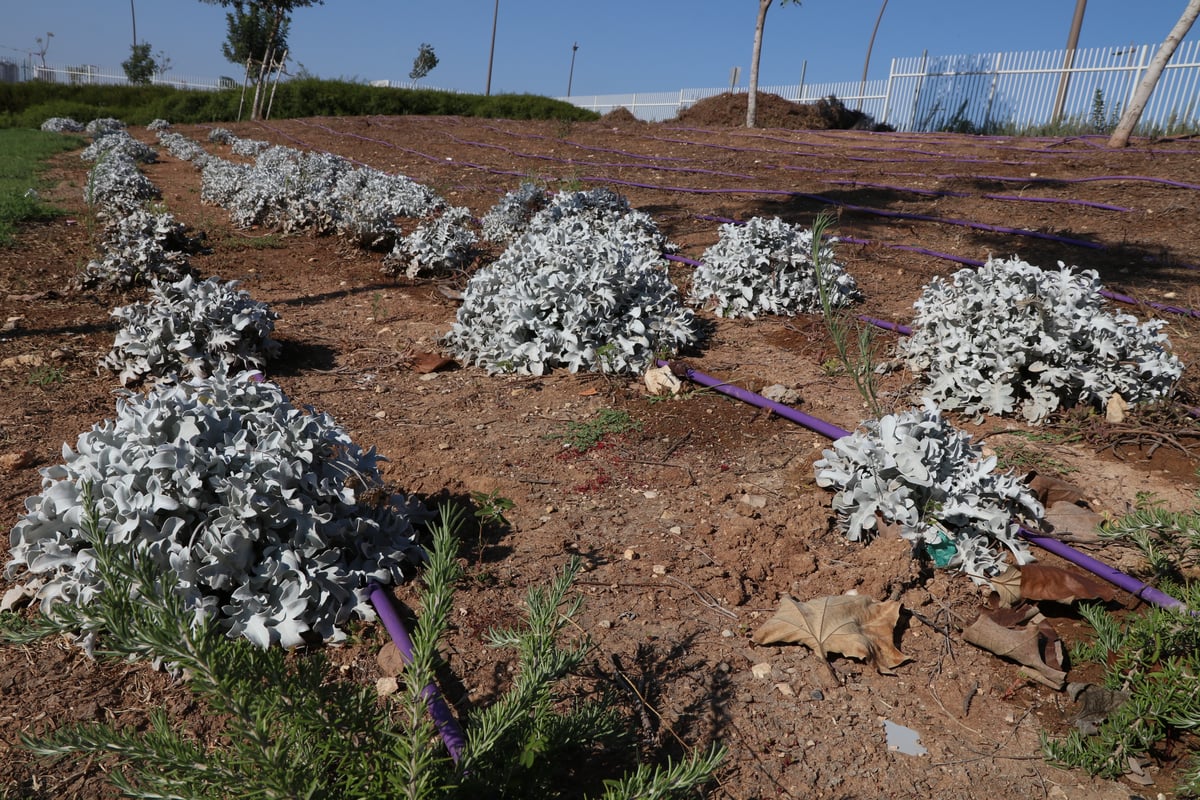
23	154
583	436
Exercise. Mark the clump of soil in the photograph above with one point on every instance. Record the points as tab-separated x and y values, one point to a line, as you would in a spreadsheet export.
621	116
729	110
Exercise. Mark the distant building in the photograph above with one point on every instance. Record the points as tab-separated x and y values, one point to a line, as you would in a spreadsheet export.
10	72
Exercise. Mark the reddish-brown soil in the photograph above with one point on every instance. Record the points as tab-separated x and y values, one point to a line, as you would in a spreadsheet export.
691	527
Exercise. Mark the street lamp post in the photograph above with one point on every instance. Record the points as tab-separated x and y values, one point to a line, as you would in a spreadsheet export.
492	51
571	74
133	16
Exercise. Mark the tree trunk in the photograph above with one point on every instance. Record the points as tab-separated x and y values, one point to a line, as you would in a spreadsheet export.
1133	114
269	55
752	93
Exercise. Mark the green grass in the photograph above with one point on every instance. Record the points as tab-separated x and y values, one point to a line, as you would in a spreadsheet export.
22	157
583	436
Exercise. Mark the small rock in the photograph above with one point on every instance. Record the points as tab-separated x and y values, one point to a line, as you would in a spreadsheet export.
785	689
630	554
817	694
386	686
380	415
727	634
659	569
443	446
650	495
761	670
755	501
604	623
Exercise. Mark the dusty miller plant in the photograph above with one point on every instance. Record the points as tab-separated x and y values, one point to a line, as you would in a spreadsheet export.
139	248
1010	337
116	186
191	328
440	245
510	217
916	471
119	142
580	289
62	125
271	520
288	727
767	266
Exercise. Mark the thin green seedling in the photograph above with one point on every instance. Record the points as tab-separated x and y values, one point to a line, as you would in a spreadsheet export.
854	343
489	514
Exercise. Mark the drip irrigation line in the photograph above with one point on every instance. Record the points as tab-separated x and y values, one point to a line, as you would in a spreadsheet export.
1127	582
443	717
1004	197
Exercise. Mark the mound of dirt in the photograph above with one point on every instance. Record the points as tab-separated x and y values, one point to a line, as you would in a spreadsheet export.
729	110
620	116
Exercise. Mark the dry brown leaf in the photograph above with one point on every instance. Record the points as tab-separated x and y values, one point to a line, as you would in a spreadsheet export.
850	624
1042	582
1072	522
429	362
1022	645
1050	490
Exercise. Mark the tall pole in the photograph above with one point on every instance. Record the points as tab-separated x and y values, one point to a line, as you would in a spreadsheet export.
571	74
133	16
1060	99
492	50
862	89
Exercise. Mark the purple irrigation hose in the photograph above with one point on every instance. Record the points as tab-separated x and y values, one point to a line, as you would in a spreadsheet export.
447	725
1100	569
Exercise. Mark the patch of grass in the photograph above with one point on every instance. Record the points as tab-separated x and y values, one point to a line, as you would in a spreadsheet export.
23	154
583	436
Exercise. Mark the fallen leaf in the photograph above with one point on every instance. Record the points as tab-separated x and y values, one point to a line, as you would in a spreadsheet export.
11	462
1050	490
1023	645
1042	582
429	362
592	392
1073	522
850	624
1096	704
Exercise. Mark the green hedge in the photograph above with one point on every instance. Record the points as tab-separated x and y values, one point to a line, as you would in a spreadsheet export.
28	104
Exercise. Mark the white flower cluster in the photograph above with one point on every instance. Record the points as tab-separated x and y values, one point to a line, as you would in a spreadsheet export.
510	217
191	328
62	125
119	142
576	290
766	267
1012	337
439	245
917	471
140	247
258	508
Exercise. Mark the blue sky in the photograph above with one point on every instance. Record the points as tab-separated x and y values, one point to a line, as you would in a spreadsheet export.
624	45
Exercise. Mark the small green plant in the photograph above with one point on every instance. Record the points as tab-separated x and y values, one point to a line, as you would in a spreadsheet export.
1154	659
286	727
489	513
854	343
583	436
1021	458
1099	118
46	376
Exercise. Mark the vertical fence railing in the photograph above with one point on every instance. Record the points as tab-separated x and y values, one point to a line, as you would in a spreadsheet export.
986	91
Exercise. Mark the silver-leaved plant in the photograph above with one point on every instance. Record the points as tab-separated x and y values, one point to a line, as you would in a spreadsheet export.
1010	337
766	267
916	471
191	328
271	519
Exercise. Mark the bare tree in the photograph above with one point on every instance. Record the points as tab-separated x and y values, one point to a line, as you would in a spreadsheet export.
752	95
1133	114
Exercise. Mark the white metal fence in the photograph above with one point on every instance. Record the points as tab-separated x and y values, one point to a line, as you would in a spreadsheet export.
983	91
91	74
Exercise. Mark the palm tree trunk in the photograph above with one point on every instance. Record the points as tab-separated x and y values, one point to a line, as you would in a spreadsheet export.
752	93
1133	114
